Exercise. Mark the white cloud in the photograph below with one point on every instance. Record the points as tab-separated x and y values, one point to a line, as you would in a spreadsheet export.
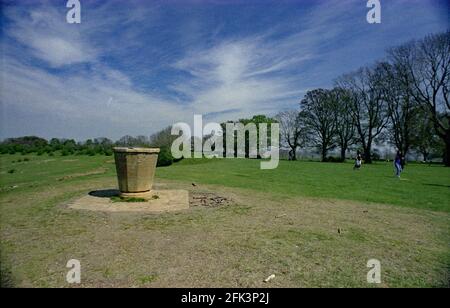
99	103
50	37
250	75
230	79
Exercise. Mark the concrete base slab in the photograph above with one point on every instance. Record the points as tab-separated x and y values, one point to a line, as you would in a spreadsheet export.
160	201
145	195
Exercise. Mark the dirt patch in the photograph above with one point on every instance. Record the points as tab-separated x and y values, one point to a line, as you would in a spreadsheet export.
208	199
162	201
165	200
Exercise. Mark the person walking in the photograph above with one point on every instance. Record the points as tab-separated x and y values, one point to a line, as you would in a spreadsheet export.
358	162
398	161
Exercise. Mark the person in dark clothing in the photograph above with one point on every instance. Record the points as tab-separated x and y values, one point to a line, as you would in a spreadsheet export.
398	164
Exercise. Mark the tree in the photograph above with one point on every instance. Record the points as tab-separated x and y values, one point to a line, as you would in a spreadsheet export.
163	138
424	138
345	124
103	141
256	120
318	111
402	106
26	144
427	63
292	130
367	106
126	141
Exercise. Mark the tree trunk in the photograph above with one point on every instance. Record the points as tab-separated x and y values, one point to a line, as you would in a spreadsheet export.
343	151
368	155
447	151
294	154
324	154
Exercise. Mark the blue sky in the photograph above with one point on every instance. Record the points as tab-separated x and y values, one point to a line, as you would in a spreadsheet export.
134	67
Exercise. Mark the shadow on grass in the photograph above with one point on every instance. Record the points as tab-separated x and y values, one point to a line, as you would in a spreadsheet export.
438	185
105	193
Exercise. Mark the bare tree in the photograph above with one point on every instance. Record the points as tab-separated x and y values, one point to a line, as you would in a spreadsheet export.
367	106
163	138
345	124
402	106
319	114
292	131
427	63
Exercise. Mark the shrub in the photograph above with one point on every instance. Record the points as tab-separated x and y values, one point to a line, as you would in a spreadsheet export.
11	171
165	157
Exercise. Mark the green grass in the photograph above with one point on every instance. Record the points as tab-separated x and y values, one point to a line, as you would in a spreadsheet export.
127	199
421	186
275	227
43	170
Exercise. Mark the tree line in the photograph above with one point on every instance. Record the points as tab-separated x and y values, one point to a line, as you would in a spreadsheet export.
402	99
91	147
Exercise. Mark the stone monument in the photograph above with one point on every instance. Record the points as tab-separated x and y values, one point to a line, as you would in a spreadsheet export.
135	171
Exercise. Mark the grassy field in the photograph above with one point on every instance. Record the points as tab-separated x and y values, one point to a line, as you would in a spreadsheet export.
426	187
310	224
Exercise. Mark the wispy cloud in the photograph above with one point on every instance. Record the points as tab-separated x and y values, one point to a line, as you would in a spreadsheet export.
49	37
135	67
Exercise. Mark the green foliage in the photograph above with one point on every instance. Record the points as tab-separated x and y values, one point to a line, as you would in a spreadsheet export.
27	145
165	157
257	120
